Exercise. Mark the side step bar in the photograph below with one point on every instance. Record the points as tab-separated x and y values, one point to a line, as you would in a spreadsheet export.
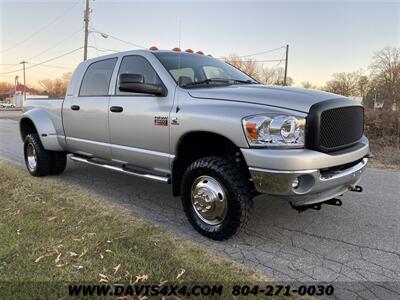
165	179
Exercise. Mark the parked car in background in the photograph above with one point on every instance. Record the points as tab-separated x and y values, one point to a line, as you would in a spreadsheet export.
7	105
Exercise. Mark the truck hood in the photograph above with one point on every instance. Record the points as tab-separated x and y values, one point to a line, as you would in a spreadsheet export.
283	97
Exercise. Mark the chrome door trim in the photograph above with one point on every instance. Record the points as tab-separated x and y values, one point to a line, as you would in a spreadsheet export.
138	150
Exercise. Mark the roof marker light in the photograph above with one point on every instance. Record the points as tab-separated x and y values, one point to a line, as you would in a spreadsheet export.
176	49
189	50
153	48
200	52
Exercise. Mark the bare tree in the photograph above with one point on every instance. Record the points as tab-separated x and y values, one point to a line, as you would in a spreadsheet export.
270	75
308	85
274	76
346	84
385	73
248	65
5	86
363	85
56	87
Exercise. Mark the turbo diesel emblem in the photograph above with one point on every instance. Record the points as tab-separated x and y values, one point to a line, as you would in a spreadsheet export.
160	121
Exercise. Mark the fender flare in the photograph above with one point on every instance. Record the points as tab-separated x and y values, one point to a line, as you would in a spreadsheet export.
44	127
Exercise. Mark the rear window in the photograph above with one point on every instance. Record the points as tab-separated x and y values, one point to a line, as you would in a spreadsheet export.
96	80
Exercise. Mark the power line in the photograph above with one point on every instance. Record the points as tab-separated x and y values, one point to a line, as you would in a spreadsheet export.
10	66
95	44
56	44
40	29
106	35
44	62
54	58
57	67
262	52
104	49
262	61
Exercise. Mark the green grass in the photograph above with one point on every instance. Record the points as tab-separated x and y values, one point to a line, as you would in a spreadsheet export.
54	233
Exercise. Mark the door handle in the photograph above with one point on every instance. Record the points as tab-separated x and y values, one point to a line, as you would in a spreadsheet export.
116	109
75	107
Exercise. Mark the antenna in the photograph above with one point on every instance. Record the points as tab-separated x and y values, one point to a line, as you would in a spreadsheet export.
179	33
179	61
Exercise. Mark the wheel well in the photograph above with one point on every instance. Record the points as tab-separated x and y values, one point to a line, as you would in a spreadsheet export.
195	145
26	127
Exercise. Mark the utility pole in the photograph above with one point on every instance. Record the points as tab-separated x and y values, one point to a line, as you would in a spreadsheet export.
286	65
15	84
86	21
23	68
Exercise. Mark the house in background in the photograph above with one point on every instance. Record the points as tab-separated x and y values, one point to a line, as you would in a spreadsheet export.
15	96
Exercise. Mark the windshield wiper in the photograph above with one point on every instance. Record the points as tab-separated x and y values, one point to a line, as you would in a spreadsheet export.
244	81
218	80
206	81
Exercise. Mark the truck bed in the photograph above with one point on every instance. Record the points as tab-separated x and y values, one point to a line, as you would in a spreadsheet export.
53	106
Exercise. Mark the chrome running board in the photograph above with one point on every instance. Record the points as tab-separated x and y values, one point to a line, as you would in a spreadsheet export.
165	179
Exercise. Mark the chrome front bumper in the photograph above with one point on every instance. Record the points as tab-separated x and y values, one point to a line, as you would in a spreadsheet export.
314	185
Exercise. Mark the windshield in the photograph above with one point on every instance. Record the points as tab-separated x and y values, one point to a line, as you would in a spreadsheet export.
190	70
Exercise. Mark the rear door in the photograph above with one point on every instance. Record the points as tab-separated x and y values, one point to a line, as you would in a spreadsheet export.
85	115
139	134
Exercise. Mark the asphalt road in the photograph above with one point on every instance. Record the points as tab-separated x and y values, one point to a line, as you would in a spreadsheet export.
354	245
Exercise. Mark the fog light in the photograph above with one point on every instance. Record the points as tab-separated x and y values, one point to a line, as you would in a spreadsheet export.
295	183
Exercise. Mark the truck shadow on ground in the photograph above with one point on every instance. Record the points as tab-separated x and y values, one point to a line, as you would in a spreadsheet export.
335	243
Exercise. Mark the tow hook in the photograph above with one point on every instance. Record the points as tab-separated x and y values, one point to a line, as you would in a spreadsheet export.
317	206
355	188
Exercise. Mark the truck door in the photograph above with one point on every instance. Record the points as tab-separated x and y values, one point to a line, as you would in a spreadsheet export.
139	123
85	115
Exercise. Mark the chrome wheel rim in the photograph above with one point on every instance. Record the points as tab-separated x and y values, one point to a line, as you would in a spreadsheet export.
31	157
209	200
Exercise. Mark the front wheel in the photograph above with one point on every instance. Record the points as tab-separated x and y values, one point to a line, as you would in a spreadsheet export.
216	197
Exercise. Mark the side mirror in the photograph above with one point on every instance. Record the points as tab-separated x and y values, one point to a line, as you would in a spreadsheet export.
134	83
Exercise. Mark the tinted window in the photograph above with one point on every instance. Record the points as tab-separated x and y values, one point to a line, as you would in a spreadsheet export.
96	80
187	67
214	72
188	72
138	65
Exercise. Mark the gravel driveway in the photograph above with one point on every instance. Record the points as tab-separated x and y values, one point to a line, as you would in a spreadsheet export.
356	244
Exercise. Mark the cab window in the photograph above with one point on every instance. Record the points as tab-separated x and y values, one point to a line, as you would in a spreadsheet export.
96	80
137	65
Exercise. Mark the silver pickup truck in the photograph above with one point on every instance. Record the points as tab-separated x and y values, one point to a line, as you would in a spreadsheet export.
215	134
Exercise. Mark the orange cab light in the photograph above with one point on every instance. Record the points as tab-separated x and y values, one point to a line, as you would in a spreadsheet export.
153	48
189	50
200	52
209	55
177	49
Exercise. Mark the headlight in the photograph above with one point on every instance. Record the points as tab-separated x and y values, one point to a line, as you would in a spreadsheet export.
274	130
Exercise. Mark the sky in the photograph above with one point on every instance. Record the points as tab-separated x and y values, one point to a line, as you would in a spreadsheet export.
324	37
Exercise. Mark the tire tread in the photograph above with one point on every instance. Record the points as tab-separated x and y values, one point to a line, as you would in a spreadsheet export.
241	204
42	155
